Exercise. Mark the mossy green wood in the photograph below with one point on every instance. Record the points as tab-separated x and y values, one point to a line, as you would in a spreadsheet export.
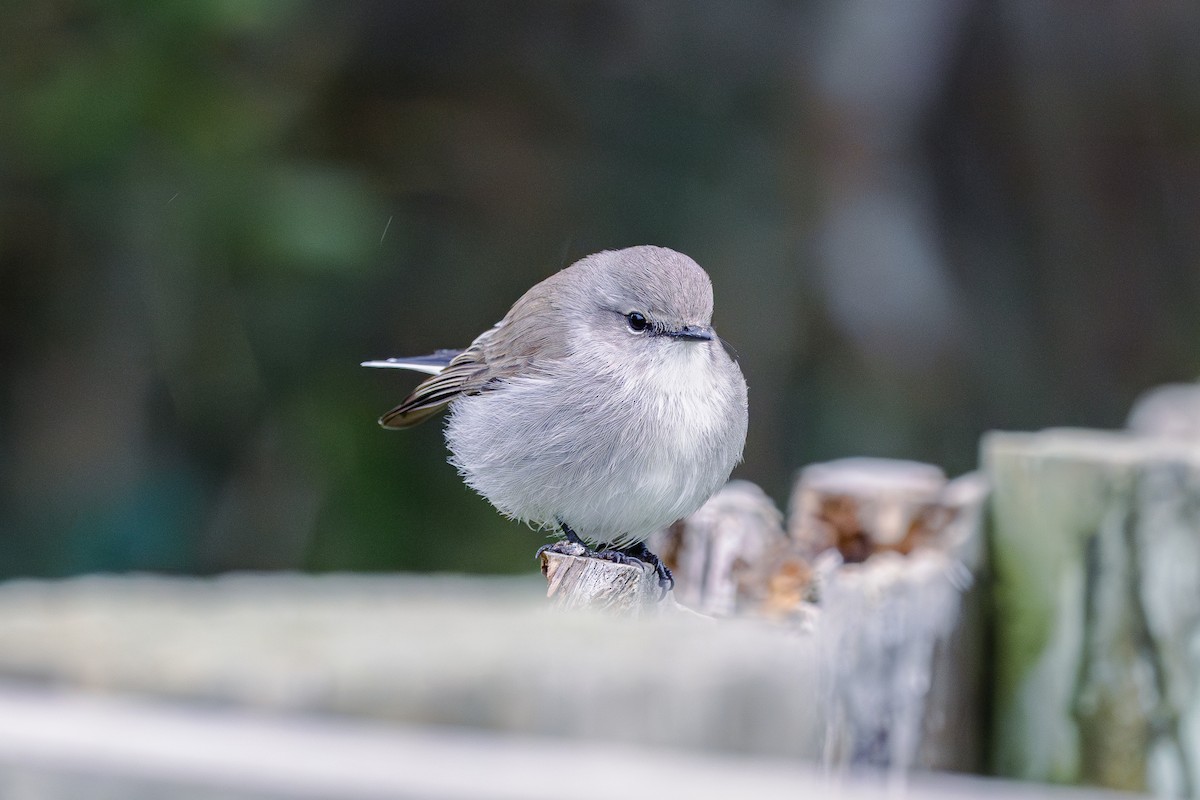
1093	563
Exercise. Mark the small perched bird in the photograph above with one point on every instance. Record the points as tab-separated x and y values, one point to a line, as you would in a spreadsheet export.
603	404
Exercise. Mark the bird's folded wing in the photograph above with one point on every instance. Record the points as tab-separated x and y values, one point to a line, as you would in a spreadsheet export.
527	337
461	375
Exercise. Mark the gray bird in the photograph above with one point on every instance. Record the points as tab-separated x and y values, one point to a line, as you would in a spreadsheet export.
603	404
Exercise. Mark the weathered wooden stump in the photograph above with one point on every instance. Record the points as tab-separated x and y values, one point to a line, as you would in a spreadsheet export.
899	630
1171	411
722	554
862	506
577	580
1096	543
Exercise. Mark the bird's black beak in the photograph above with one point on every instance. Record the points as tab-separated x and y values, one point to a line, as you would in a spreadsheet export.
695	333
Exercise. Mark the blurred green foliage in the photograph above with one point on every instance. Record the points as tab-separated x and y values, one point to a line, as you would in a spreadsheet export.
210	212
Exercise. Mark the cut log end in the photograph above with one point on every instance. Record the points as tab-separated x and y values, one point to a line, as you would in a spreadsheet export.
577	579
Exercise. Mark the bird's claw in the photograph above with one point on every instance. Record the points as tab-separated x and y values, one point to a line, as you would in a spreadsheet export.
642	555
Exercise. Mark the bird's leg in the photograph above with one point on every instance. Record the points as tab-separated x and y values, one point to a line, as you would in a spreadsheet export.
570	535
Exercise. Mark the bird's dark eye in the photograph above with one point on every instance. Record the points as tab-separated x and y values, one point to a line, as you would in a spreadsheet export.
637	322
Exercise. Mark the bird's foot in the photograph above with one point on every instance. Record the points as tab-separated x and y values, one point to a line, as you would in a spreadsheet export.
636	556
665	579
564	547
571	545
616	556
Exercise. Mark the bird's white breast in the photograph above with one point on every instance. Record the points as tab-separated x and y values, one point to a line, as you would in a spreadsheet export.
688	398
614	454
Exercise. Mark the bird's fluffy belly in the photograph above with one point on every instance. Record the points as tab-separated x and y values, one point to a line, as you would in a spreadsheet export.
614	464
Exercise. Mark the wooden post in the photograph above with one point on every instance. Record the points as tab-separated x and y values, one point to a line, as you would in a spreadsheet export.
861	506
720	553
576	579
1170	412
1096	543
895	547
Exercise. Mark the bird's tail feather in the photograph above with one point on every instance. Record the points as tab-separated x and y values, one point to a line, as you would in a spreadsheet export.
430	396
431	364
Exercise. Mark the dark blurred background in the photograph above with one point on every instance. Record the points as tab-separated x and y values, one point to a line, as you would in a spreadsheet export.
922	220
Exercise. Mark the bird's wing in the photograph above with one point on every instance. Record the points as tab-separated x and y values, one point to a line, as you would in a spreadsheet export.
530	336
433	393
